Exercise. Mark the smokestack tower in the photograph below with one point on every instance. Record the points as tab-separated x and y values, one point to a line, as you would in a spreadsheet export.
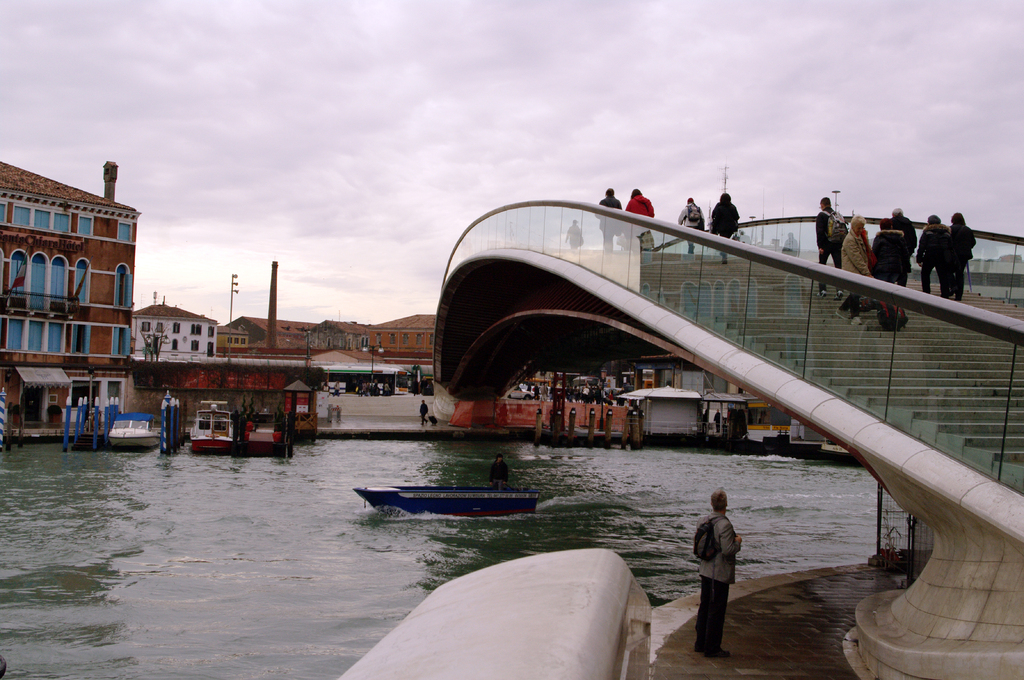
109	179
272	312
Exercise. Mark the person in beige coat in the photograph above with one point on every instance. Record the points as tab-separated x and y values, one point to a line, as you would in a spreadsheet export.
857	255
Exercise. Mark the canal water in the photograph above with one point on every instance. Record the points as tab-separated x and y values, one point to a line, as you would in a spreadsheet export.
135	565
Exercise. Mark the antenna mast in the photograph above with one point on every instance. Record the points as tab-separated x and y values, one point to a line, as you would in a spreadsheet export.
725	178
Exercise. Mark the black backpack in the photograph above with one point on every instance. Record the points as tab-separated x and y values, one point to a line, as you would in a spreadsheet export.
704	544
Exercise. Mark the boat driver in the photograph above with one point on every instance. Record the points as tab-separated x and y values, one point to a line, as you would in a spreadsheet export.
499	473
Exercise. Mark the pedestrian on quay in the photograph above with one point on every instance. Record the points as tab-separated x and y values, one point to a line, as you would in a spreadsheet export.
830	231
935	251
963	246
715	576
858	258
611	228
423	411
890	249
725	221
499	473
899	221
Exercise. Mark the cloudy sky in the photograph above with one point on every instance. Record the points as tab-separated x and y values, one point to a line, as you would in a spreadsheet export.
353	142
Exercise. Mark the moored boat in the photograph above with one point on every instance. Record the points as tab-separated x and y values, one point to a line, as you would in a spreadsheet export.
212	431
450	500
133	430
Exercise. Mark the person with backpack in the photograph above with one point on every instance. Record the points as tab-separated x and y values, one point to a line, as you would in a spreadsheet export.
691	217
963	244
935	251
725	221
716	573
830	231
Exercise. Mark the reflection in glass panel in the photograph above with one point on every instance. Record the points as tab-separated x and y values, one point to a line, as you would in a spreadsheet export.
678	267
572	239
592	248
553	232
776	321
1011	470
948	389
651	245
519	228
537	228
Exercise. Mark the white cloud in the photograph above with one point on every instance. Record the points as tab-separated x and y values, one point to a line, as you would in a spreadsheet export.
354	141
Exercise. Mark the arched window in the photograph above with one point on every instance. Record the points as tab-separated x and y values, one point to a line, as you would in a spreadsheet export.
58	277
82	280
37	281
18	273
122	287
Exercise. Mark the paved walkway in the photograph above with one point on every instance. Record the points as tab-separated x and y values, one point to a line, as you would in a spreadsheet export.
787	626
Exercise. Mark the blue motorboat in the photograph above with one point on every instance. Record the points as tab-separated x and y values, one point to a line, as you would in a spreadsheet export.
450	500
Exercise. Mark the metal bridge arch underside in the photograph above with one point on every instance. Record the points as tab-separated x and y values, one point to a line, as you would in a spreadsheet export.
507	313
501	321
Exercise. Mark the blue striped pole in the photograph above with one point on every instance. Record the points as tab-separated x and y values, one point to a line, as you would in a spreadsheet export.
3	417
95	423
163	422
67	422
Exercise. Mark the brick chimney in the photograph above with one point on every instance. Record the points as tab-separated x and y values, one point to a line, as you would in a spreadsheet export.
109	179
272	312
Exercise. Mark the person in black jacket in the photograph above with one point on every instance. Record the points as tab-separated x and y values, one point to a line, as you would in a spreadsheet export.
826	246
890	248
935	250
725	220
499	473
963	246
910	236
613	228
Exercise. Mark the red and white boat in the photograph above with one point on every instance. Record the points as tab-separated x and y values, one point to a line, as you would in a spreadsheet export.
212	432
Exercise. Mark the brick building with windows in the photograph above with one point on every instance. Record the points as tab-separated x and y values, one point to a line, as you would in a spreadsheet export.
410	338
67	258
169	333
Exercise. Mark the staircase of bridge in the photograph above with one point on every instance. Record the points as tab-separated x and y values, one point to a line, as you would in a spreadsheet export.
950	378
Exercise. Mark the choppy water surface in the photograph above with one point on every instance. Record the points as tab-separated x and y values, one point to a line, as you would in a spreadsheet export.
135	565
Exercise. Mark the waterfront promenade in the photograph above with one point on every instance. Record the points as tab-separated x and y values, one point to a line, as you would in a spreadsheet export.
786	626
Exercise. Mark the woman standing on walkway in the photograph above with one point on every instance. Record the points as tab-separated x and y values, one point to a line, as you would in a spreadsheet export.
857	258
963	246
935	251
890	249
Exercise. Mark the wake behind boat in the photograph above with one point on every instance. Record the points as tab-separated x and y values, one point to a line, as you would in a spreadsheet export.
451	500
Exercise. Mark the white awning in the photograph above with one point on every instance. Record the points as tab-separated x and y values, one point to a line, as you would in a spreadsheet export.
44	377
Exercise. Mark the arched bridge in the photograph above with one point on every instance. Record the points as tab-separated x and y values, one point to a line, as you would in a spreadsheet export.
933	411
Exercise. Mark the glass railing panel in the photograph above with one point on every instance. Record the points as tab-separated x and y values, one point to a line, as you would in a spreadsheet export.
680	271
537	228
995	271
776	320
1011	469
652	260
847	352
722	292
948	389
554	231
517	228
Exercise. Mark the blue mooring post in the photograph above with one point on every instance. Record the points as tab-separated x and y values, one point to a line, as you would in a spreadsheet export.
3	417
174	425
96	424
67	422
163	422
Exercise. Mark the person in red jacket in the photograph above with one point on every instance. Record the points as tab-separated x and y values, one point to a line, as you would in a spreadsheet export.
639	204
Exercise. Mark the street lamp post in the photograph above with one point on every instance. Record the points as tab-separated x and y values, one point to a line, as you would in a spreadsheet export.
835	200
373	351
231	310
